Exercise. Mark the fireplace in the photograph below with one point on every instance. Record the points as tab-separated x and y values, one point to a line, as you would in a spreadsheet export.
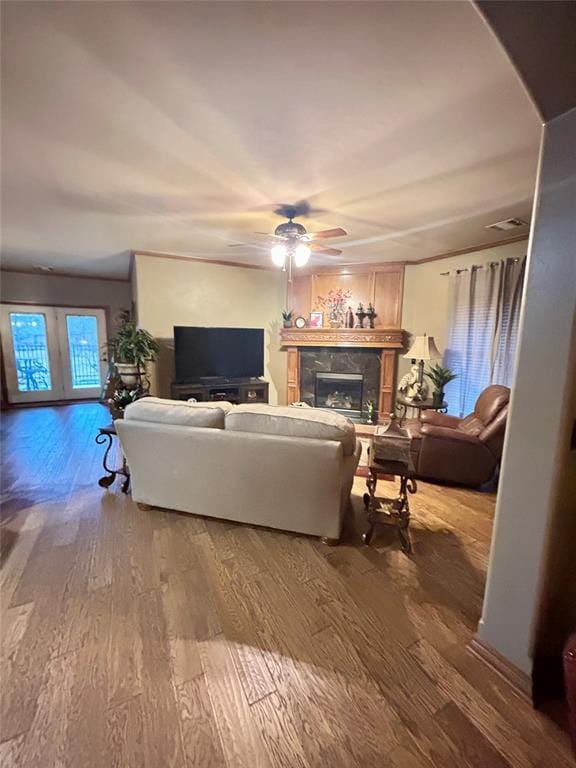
340	392
368	352
343	380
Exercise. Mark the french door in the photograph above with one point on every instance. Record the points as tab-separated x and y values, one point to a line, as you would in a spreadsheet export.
52	353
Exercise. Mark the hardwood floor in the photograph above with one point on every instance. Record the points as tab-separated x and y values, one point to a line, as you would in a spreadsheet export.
148	638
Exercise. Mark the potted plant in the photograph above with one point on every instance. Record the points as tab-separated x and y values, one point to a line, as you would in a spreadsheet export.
439	376
131	349
120	399
287	315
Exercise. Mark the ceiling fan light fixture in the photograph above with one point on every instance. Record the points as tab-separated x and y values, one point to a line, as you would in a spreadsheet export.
301	254
278	253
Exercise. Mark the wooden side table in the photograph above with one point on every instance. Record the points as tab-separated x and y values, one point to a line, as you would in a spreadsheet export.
402	405
107	434
383	510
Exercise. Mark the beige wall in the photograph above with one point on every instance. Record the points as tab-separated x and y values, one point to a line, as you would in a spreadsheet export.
535	497
425	308
173	292
66	291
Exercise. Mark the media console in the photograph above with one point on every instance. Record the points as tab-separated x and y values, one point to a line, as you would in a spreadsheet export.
234	390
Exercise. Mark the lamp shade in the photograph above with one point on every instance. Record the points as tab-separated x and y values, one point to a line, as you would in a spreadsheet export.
423	348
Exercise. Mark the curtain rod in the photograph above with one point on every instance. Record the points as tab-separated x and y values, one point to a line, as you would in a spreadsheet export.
480	266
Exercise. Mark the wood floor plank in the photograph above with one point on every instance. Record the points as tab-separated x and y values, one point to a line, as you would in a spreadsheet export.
46	742
10	752
200	736
237	624
125	731
507	741
190	618
241	740
162	737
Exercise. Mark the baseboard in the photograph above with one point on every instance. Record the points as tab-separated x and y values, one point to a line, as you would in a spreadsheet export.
519	680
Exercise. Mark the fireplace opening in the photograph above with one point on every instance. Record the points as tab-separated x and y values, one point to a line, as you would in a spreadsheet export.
340	392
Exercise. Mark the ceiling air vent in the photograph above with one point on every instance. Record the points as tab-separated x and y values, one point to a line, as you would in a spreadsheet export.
507	224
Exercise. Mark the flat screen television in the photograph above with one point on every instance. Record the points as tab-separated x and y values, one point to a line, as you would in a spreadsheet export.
230	353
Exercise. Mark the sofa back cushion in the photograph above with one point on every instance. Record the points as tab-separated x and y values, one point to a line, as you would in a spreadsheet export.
293	422
160	411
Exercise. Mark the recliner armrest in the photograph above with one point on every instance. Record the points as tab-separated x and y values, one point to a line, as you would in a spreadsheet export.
448	433
440	419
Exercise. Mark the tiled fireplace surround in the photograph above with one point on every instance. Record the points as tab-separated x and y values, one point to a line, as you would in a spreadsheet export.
347	394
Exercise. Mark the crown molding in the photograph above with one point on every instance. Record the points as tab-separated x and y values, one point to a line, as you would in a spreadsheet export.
219	262
472	249
58	273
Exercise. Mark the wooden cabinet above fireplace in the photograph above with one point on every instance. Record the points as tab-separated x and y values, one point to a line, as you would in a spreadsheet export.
381	285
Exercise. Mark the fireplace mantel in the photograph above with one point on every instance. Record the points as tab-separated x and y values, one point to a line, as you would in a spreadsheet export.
389	340
382	338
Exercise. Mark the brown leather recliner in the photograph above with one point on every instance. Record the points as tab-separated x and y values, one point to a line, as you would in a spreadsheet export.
463	451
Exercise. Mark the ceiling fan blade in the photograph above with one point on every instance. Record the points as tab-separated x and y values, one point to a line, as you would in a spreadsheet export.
326	251
337	232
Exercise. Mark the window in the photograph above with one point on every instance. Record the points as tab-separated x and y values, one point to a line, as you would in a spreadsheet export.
484	317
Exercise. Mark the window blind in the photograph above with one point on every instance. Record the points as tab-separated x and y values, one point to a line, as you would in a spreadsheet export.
483	330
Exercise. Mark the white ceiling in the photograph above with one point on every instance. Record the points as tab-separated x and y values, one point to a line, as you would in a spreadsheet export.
175	126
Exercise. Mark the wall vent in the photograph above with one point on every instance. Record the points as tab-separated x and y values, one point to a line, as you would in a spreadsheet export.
507	224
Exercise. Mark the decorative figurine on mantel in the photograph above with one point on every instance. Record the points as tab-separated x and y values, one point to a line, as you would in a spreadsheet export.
349	318
360	314
371	314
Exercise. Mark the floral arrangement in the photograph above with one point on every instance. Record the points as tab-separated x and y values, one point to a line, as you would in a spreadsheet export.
335	303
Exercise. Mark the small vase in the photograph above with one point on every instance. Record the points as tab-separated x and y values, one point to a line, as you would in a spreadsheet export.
437	398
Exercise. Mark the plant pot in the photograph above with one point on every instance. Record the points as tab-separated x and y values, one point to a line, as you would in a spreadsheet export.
287	324
129	374
437	398
116	413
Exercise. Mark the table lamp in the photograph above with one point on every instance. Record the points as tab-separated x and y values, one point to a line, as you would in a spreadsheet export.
423	348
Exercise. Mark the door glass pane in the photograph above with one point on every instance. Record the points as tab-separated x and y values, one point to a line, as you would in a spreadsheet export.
83	345
30	351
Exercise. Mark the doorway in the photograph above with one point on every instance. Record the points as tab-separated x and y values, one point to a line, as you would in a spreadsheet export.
52	353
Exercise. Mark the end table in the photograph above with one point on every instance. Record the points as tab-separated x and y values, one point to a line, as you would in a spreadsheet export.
402	405
388	511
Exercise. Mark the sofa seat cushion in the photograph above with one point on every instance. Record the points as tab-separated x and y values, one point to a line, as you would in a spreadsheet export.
160	411
293	422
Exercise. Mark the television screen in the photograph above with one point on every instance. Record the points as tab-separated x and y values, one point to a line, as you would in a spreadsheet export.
231	353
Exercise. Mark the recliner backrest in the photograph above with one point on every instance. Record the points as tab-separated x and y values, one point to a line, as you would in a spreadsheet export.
493	435
491	402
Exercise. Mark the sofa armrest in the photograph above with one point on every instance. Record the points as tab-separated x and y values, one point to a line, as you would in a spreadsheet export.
440	419
448	433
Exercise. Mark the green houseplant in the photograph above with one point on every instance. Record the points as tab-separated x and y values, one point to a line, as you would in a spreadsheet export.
287	315
439	376
131	349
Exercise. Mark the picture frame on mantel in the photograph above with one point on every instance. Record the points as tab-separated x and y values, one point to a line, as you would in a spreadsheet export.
316	319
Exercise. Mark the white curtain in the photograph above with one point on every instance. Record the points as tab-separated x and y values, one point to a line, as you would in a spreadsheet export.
484	314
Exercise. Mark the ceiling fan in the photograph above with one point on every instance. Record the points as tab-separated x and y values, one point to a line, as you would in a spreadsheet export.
292	243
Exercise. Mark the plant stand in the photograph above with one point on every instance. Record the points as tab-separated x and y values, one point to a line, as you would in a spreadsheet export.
106	435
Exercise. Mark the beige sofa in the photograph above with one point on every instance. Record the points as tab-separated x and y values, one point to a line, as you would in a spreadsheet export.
280	467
